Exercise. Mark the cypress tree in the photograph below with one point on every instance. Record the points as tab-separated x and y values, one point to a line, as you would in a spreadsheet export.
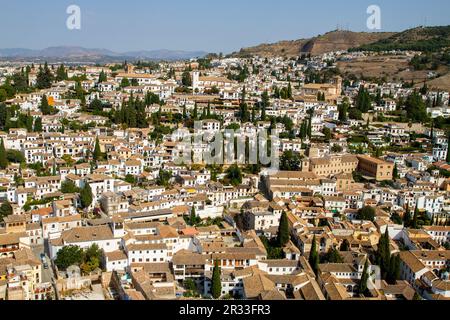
383	255
314	256
208	110
5	210
3	158
184	113
283	230
86	196
61	73
289	91
97	152
44	77
309	128
448	149
193	216
45	108
364	279
407	219
394	270
345	245
216	286
195	113
29	123
415	218
395	172
102	77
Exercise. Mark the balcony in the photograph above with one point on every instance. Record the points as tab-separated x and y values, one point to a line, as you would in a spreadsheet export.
9	249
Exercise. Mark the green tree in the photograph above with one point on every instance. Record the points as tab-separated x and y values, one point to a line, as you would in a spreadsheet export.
15	156
333	256
129	178
186	78
29	123
366	213
164	178
3	156
290	161
345	245
364	278
97	155
195	112
86	196
383	254
343	110
61	73
193	218
415	108
102	77
415	219
309	127
234	175
69	186
3	95
395	172
5	210
283	230
265	103
407	219
38	125
92	258
44	106
393	273
314	256
96	106
68	256
327	132
363	100
448	149
125	82
355	114
44	77
216	286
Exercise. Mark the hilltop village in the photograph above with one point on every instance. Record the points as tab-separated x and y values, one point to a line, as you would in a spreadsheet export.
94	205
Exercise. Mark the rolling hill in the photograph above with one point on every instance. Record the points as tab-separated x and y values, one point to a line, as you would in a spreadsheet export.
430	39
419	39
331	41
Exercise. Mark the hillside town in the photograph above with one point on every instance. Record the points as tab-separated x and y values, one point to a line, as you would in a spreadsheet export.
96	204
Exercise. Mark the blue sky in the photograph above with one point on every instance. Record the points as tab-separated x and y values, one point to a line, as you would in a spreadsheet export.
209	25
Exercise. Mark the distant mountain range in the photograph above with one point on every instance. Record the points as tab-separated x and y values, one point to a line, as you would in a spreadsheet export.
70	53
420	38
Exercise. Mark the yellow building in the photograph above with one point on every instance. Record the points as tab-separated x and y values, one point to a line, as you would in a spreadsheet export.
376	168
328	166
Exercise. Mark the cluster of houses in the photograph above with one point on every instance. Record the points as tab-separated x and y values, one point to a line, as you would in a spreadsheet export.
156	235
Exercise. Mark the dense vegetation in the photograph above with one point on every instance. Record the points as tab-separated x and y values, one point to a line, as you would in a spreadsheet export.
431	39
